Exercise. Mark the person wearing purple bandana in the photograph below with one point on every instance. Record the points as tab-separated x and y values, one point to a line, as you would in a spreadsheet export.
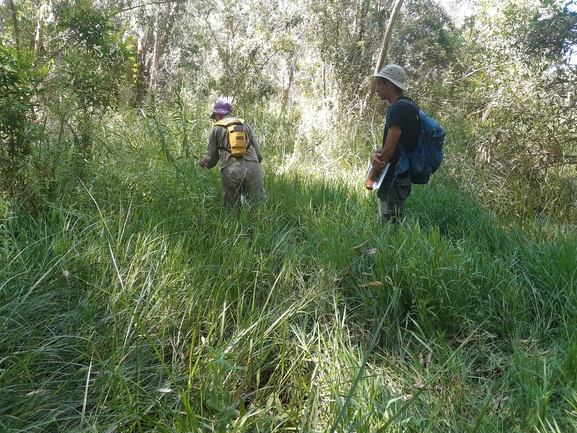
241	177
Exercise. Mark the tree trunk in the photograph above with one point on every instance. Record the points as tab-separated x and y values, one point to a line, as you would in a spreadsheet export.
163	24
39	37
15	23
286	92
386	42
141	79
361	18
155	61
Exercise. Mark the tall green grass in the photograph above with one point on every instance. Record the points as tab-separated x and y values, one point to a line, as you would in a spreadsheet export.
139	304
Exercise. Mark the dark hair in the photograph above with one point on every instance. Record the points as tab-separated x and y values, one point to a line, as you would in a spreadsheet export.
385	81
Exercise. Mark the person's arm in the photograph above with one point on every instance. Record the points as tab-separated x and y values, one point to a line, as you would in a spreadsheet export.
380	158
370	180
253	141
212	152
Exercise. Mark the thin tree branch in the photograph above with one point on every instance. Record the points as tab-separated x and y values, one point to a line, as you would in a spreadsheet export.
146	4
386	42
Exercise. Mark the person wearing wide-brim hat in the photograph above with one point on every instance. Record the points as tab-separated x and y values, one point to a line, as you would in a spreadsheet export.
402	126
241	176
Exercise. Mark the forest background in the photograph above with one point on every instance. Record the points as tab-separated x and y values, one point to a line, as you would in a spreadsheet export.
131	301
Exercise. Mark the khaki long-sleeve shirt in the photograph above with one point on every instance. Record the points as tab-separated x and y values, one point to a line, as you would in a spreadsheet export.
218	138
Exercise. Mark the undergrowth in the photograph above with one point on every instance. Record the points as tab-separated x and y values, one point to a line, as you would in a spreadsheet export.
139	303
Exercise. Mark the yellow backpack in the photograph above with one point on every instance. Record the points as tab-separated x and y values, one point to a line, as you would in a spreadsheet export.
237	140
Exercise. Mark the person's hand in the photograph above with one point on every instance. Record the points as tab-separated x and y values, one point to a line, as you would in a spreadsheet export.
202	163
376	162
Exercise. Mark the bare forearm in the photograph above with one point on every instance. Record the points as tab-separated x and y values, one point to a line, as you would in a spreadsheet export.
381	158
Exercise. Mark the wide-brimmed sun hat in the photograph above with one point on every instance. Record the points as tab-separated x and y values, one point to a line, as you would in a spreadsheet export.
395	74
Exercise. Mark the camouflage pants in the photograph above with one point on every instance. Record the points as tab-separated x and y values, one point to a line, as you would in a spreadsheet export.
242	178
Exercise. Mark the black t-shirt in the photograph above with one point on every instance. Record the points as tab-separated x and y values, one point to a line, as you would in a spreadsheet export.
405	117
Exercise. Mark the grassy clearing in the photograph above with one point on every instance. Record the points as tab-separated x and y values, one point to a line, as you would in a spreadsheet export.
139	304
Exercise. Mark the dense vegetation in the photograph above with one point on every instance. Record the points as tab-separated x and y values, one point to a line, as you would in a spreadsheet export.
130	300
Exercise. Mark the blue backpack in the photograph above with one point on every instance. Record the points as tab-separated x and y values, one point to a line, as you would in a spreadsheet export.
428	155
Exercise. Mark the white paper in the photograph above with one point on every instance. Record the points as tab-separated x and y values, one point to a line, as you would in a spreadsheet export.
378	179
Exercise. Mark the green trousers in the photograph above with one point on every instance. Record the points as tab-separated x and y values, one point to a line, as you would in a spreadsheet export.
242	179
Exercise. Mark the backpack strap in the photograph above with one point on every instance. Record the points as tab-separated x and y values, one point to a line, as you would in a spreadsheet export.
404	154
225	124
410	102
